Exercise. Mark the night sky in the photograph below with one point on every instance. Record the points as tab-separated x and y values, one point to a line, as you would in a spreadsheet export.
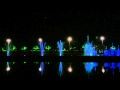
24	27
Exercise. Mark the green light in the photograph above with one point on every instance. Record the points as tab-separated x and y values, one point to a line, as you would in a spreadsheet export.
83	46
36	62
35	48
3	49
113	47
48	47
13	48
47	62
13	62
84	63
24	62
24	48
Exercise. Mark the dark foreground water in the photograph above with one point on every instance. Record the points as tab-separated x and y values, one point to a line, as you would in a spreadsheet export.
82	68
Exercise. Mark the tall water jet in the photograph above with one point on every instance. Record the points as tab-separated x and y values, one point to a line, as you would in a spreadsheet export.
42	46
8	46
112	50
60	47
8	50
88	49
117	52
106	52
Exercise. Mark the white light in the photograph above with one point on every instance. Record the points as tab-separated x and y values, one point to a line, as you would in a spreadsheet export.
69	39
102	38
8	68
8	40
103	70
40	69
70	69
40	39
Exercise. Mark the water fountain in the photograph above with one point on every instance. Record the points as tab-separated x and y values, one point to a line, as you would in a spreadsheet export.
88	49
42	46
8	46
106	52
117	52
8	51
60	48
112	50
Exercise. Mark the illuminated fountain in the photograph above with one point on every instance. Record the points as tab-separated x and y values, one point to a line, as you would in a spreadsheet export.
88	49
60	48
8	46
42	47
106	52
112	50
117	52
8	52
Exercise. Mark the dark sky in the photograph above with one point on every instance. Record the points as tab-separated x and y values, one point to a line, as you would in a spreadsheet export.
24	27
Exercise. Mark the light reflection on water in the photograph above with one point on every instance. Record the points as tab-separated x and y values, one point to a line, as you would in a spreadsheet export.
81	69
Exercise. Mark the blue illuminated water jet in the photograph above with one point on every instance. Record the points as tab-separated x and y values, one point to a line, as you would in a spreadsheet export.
60	69
60	47
117	53
88	49
8	51
42	47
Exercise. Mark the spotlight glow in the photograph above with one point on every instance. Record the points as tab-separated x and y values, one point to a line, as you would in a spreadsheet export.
40	39
70	69
8	68
103	70
40	69
8	40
